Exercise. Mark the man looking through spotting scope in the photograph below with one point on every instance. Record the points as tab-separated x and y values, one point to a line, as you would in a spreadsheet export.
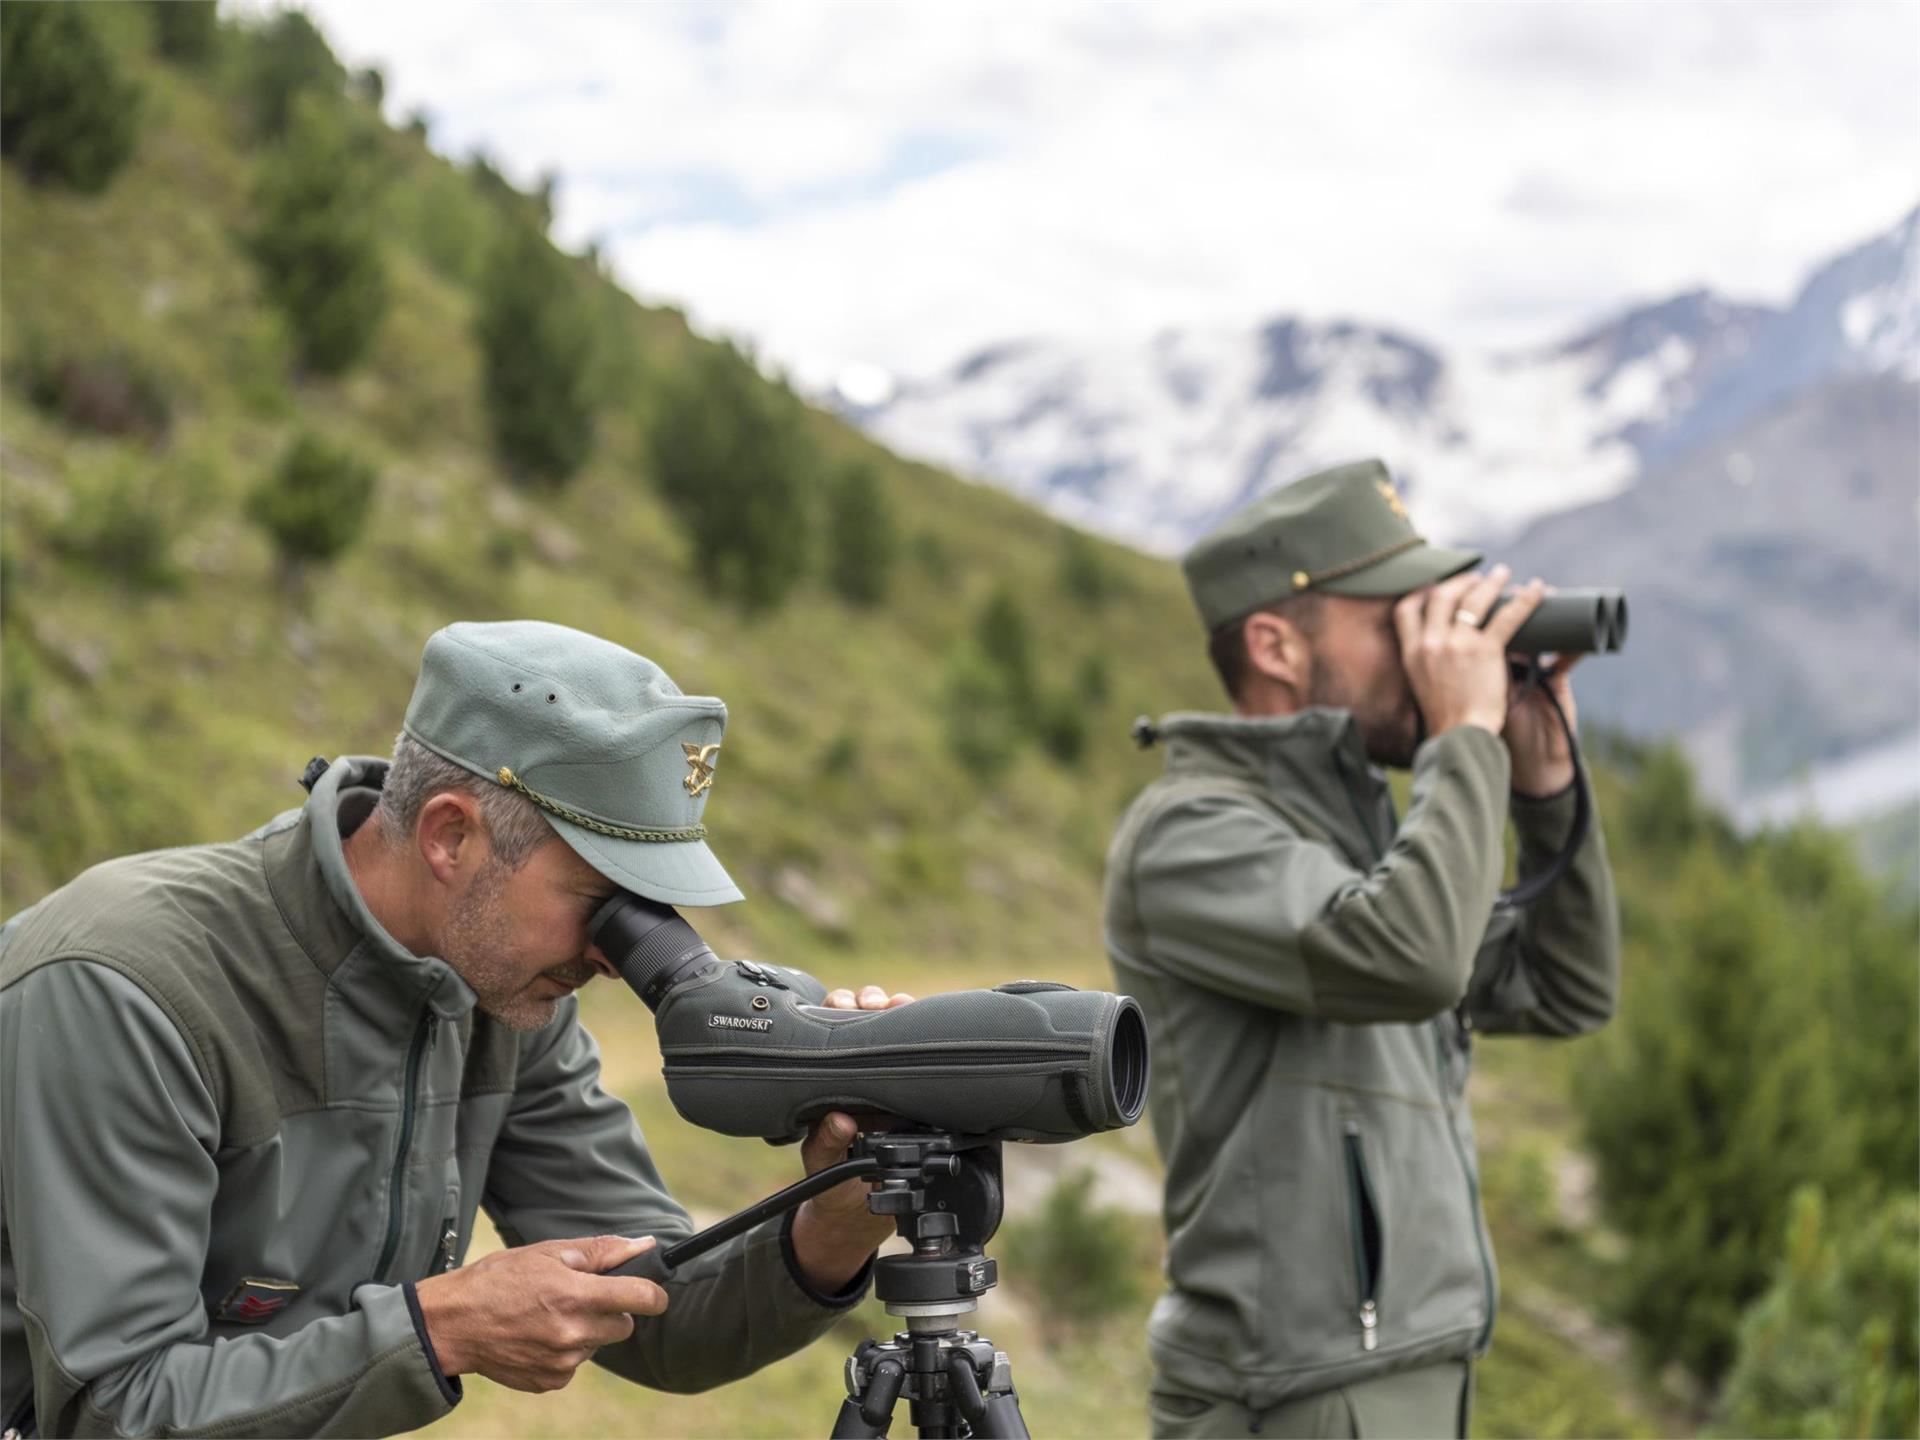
253	1094
1313	967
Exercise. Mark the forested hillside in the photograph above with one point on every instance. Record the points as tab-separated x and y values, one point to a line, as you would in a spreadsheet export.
285	391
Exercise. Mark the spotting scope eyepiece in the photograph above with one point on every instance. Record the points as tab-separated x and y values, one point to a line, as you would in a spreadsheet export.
750	1049
1572	622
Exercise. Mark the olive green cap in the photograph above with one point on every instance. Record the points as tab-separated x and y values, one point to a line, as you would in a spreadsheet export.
595	735
1336	532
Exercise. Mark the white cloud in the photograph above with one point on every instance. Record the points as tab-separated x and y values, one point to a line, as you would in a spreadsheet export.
895	184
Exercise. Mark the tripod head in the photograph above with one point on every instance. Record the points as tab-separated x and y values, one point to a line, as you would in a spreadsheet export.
945	1195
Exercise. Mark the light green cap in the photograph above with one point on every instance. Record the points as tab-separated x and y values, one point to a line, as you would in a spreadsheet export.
595	735
1342	531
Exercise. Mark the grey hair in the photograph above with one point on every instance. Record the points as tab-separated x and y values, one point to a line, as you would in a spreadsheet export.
515	826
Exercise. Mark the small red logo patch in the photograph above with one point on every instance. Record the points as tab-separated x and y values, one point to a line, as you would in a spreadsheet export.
255	1301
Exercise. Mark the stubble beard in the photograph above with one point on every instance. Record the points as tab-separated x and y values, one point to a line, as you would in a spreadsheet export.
1390	736
476	945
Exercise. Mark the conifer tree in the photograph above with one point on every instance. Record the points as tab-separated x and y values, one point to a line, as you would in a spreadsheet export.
185	31
314	504
731	462
536	342
861	536
286	58
316	240
67	115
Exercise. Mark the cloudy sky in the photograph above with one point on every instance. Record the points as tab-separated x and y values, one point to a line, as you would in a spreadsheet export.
864	184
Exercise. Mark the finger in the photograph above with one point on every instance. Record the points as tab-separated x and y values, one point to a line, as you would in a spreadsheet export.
896	1000
872	997
841	1000
621	1295
1406	620
1479	598
1443	602
826	1143
1563	665
601	1252
1515	613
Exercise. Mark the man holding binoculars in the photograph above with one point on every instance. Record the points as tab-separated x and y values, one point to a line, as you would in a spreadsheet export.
255	1093
1313	967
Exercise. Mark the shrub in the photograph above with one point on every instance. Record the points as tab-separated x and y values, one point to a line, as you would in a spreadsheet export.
982	724
1093	680
1006	643
317	242
185	31
861	537
122	521
113	393
1833	1347
287	58
67	116
314	504
1079	1260
732	464
1083	570
1062	726
536	343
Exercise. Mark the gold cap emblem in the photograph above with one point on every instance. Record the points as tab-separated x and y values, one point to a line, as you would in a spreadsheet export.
1392	497
1301	579
699	779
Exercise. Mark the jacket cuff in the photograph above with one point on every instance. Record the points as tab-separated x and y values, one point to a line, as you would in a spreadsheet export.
849	1295
450	1389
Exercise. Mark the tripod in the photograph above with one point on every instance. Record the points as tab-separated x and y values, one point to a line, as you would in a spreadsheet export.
944	1193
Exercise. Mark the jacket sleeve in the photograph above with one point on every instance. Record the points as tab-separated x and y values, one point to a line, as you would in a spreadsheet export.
571	1161
108	1143
1232	898
1554	967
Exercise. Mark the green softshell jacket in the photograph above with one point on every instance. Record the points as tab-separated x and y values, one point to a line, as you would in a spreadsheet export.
1312	972
238	1121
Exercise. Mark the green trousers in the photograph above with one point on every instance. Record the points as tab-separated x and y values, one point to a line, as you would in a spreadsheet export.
1423	1404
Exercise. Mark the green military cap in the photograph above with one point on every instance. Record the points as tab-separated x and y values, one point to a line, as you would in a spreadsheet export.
595	735
1336	532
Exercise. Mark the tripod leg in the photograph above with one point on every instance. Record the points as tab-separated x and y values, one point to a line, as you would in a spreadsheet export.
1003	1420
852	1425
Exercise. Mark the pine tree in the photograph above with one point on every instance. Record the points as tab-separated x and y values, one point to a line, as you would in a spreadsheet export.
317	242
536	342
287	58
67	115
732	464
314	504
1006	642
862	538
185	31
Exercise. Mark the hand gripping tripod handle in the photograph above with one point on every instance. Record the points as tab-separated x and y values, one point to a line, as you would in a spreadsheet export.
652	1265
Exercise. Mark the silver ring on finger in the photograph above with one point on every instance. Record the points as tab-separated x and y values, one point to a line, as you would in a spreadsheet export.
1466	617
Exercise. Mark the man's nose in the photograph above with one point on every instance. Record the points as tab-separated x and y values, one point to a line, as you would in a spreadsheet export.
599	961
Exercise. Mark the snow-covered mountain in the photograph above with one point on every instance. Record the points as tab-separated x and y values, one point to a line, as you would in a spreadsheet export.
1152	443
1750	473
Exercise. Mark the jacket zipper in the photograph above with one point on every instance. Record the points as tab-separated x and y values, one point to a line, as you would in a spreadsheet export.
397	1188
1473	1187
1366	1271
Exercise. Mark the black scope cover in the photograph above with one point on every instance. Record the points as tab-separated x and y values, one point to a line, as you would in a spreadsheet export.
749	1049
1572	622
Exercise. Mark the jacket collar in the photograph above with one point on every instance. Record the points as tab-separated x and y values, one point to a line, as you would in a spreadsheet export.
309	874
1313	761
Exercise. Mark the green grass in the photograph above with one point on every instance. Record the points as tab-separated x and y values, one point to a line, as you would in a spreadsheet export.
138	717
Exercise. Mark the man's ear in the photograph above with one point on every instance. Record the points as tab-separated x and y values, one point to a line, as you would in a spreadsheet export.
1277	650
452	839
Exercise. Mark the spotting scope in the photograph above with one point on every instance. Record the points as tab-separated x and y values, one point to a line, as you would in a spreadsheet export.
749	1048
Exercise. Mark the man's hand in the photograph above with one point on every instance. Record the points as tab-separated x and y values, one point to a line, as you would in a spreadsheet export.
1456	658
834	1233
529	1317
1542	759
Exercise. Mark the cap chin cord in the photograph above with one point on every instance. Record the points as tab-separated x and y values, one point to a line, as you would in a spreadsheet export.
1527	891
